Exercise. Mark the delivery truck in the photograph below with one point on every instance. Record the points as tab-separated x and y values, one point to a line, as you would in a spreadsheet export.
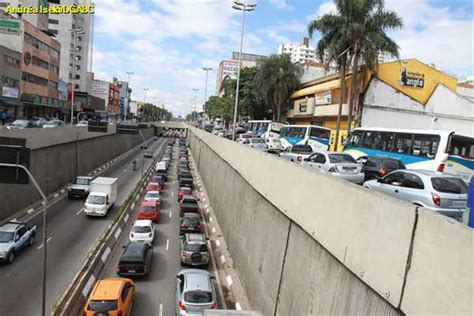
102	196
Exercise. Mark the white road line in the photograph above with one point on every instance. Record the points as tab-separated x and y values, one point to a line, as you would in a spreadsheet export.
213	230
218	243
137	197
62	191
172	193
88	286
80	211
167	244
118	232
222	258
125	170
55	195
133	205
229	280
207	210
126	218
105	255
171	214
161	310
237	306
30	211
47	240
210	219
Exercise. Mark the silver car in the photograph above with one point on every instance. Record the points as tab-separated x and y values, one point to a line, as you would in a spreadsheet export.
195	292
336	164
256	143
440	192
194	250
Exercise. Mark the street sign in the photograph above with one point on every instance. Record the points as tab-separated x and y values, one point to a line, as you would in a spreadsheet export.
13	151
127	129
98	127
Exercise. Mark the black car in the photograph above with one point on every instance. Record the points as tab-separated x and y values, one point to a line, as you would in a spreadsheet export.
163	174
135	259
158	179
376	167
190	223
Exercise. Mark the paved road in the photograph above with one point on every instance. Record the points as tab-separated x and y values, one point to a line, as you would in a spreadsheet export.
156	293
71	234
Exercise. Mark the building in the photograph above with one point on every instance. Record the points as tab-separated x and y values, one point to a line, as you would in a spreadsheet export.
401	94
124	101
136	108
76	53
10	78
109	92
229	69
313	70
113	105
301	53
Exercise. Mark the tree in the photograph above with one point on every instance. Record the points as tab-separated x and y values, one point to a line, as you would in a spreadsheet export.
362	24
277	77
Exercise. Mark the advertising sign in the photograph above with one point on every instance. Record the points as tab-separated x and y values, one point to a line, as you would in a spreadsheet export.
62	90
10	92
99	89
322	97
411	79
230	69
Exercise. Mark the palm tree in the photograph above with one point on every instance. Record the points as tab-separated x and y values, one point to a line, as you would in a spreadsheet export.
361	24
277	77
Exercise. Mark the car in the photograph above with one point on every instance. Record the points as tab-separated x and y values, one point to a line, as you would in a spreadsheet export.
153	196
135	259
19	124
159	179
378	166
241	138
79	187
274	145
195	292
439	192
194	250
38	121
149	210
185	180
184	191
153	186
148	154
190	223
142	230
14	236
188	204
83	123
53	123
112	296
336	164
296	153
256	143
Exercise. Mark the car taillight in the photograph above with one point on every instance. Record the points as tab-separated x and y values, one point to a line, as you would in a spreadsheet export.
120	313
84	313
182	225
181	306
299	158
441	167
199	226
214	306
382	172
436	198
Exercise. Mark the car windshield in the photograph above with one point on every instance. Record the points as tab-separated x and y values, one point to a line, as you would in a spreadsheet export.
152	196
95	199
190	201
185	175
191	220
198	297
195	247
6	236
302	149
341	158
82	181
147	209
449	185
102	306
257	140
141	229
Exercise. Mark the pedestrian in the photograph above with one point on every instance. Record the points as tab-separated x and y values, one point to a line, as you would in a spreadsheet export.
4	117
470	203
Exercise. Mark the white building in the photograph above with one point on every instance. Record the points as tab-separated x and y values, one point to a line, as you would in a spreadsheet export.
301	53
76	49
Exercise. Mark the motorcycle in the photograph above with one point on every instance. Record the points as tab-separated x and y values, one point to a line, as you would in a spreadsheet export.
134	165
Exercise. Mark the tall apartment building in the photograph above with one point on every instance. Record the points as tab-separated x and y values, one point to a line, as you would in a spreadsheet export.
74	32
301	53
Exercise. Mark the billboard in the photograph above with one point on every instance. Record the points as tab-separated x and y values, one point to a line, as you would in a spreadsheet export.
99	89
9	92
323	97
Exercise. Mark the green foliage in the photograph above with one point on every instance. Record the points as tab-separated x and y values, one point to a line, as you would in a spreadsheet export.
153	112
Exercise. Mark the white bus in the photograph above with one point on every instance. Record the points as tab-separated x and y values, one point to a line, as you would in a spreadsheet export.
443	151
317	137
268	130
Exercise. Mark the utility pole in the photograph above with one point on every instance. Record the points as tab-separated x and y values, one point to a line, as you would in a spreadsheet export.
195	96
144	100
206	69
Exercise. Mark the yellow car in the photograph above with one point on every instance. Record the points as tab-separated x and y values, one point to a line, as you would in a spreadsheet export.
113	297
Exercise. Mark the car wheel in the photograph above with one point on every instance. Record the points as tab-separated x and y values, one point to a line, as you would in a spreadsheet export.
31	241
11	257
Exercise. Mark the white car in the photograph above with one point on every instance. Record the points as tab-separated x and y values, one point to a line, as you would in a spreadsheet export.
152	196
256	143
143	231
274	145
83	124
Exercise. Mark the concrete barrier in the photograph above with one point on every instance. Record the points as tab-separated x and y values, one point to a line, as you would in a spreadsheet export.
305	243
57	155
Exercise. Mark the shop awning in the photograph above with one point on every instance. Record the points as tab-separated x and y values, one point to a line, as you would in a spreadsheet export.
10	102
329	85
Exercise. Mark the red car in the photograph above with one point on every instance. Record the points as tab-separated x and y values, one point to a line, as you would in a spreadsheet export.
153	186
184	191
149	210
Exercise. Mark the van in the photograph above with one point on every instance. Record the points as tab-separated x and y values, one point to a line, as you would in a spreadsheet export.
111	297
135	259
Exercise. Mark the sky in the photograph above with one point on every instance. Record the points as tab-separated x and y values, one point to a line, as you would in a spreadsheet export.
167	42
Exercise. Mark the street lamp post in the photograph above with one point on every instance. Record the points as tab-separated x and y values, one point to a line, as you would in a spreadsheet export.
45	230
244	8
144	100
195	111
74	32
128	87
206	69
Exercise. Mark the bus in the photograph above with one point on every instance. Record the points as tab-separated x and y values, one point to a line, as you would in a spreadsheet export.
265	128
437	150
317	137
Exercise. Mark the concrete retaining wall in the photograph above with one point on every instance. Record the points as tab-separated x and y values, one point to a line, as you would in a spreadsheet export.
308	244
56	154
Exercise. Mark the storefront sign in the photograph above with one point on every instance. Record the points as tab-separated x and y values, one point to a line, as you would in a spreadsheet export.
10	92
323	97
411	79
303	106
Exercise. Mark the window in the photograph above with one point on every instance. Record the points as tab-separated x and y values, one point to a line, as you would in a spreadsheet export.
34	79
195	247
425	145
125	290
198	297
302	149
394	178
10	82
355	138
369	139
78	48
385	141
79	38
76	86
40	63
412	181
403	143
318	158
462	146
20	232
319	133
102	306
299	132
54	69
371	162
11	61
53	84
449	185
341	158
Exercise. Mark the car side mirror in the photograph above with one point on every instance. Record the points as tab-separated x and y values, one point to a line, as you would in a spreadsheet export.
306	159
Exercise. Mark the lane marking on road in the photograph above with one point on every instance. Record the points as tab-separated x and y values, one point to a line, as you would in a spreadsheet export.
55	195
207	210
80	211
213	230
210	219
125	170
229	280
118	232
105	255
172	193
137	197
171	214
167	244
30	211
47	240
62	191
87	287
133	205
161	310
126	218
218	243
237	306
222	258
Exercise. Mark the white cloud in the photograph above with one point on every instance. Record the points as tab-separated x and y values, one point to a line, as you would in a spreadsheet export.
278	38
281	4
326	8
